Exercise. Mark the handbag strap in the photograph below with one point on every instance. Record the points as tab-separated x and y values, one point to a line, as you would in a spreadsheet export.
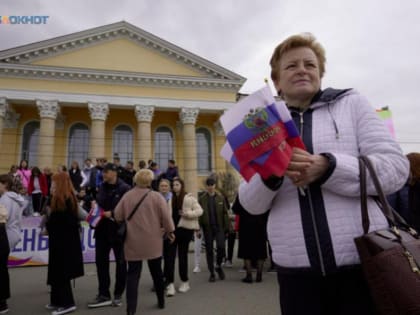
363	197
137	206
366	163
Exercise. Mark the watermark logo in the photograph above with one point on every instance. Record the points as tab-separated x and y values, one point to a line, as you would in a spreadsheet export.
24	19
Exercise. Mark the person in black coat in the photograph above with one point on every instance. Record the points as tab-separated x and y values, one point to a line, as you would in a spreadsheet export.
252	240
4	255
109	194
65	251
76	175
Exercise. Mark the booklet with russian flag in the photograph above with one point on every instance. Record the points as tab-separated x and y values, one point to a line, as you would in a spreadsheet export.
95	215
260	135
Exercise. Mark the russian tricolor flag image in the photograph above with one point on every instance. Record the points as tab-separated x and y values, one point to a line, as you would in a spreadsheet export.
95	215
260	136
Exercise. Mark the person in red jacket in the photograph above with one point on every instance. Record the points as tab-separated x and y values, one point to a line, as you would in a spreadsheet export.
38	189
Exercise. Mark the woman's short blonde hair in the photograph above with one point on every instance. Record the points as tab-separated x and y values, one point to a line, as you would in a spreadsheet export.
143	178
296	41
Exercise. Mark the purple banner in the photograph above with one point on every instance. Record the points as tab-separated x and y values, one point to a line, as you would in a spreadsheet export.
32	250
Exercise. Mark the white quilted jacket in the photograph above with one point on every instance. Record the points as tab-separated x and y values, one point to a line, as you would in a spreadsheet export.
357	131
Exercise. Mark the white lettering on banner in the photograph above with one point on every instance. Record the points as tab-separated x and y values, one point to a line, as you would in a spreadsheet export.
32	250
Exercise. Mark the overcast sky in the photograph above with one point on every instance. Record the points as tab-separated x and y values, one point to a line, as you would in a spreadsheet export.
371	45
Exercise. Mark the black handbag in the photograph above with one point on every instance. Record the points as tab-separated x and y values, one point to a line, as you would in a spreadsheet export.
390	257
122	228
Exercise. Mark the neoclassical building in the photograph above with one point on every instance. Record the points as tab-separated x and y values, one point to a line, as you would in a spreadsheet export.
114	89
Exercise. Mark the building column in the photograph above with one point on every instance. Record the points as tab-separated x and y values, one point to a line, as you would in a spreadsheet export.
188	117
98	113
144	114
4	106
48	111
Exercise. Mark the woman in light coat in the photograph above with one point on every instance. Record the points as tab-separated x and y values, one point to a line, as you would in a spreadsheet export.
144	235
315	208
11	209
185	213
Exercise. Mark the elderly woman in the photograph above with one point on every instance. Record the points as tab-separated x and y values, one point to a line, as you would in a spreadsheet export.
144	235
315	208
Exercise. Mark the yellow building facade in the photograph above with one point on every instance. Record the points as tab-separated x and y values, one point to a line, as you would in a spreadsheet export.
113	90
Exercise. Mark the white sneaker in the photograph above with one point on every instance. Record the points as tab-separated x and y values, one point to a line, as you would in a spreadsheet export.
228	264
197	269
184	287
50	307
170	290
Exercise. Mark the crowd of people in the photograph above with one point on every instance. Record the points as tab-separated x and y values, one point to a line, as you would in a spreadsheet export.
311	215
160	232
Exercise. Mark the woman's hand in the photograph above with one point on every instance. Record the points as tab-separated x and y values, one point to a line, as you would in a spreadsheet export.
108	214
171	237
183	214
305	168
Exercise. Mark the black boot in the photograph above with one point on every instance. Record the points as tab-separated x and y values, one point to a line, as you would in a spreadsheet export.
161	303
248	278
220	273
260	266
160	294
212	278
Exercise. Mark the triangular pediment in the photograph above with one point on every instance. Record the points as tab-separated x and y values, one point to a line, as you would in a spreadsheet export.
118	47
119	55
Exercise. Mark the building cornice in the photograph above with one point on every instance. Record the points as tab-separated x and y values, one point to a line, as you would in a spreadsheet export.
115	77
63	44
115	101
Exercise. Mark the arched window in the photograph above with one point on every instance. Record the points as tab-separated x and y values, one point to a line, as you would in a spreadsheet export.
30	142
164	147
78	144
203	140
122	143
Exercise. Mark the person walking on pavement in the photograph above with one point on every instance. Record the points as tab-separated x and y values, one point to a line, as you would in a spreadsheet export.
11	209
252	240
185	213
109	194
144	235
65	258
215	224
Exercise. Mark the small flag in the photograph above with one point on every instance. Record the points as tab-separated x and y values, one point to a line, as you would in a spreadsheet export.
386	115
95	215
260	135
